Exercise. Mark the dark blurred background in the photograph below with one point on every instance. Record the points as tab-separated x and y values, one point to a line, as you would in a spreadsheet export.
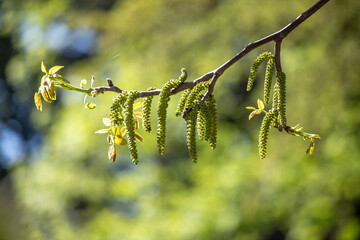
57	183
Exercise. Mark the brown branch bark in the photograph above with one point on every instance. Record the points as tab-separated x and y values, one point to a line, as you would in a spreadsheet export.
214	75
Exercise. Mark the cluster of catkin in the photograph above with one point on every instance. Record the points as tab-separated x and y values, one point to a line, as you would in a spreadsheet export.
276	115
201	117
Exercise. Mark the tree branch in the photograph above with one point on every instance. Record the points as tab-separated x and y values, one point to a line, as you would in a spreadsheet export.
277	37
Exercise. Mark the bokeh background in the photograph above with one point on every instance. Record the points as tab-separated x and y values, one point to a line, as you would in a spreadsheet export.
57	183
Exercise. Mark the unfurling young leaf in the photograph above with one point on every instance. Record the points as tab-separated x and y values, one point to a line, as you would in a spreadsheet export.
37	100
112	153
43	68
101	131
260	104
54	69
107	122
90	106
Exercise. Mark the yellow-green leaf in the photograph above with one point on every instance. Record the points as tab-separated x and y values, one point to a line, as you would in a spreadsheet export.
120	140
310	149
37	100
137	105
61	79
317	136
138	114
107	122
101	131
260	104
52	92
43	68
251	108
138	137
55	69
115	130
122	131
252	114
136	123
112	153
45	93
43	79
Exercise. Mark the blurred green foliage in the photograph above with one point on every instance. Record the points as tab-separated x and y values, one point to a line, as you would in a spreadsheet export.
68	189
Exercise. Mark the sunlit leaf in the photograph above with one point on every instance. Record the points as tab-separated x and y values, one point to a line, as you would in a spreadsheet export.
43	79
252	114
107	122
122	131
136	123
43	68
115	130
101	131
138	137
52	92
37	100
52	95
137	105
55	69
45	93
316	136
61	79
120	140
90	105
310	149
112	153
138	114
251	108
260	104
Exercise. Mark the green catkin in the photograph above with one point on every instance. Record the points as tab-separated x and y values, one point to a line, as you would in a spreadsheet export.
146	110
129	124
191	134
261	58
208	121
191	99
212	118
281	79
183	76
275	121
201	121
162	110
264	131
182	101
116	109
270	67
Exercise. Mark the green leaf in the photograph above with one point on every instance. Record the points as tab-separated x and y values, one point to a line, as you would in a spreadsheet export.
137	105
55	69
138	137
122	131
310	149
43	68
120	140
260	104
101	131
252	114
138	114
107	122
90	105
